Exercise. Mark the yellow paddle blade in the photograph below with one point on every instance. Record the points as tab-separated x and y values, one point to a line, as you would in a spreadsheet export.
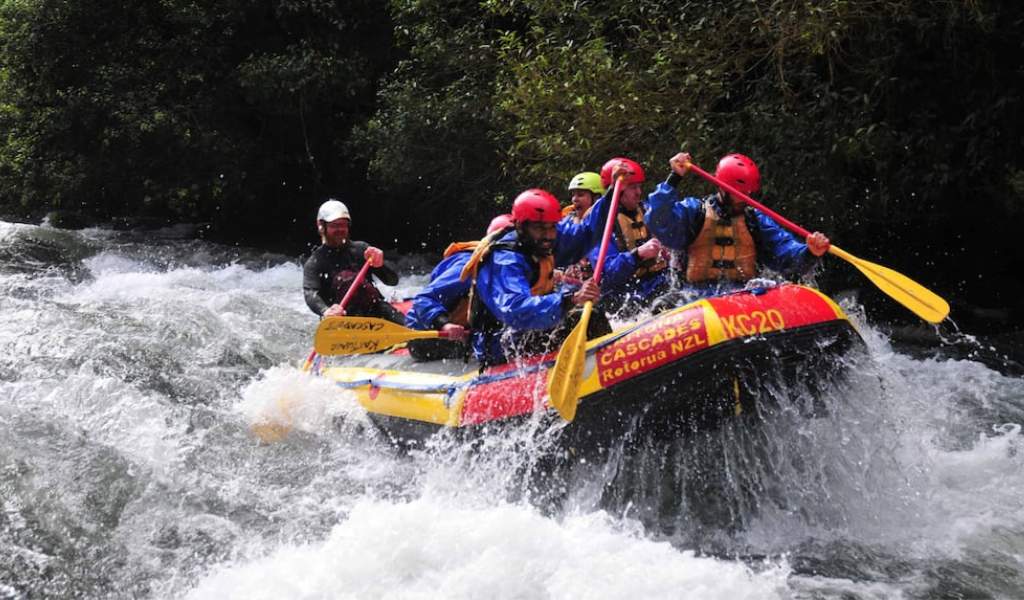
275	427
362	335
565	378
917	298
271	433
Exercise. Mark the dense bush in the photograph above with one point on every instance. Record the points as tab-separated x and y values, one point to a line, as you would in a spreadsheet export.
883	123
231	112
888	124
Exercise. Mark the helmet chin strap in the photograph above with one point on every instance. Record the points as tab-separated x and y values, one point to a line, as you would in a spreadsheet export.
729	204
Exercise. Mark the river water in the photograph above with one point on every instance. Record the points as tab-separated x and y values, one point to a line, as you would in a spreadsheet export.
133	366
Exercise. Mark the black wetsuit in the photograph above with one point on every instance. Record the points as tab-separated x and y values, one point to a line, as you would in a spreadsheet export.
329	271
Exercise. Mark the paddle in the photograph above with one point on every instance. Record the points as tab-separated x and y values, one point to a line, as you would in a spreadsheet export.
363	335
358	281
917	298
275	432
567	374
360	276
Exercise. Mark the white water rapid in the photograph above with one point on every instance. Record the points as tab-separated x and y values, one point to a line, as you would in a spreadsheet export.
134	364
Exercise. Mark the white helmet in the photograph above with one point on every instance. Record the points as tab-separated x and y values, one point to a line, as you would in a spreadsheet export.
332	210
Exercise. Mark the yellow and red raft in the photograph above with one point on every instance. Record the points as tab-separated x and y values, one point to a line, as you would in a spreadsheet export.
682	369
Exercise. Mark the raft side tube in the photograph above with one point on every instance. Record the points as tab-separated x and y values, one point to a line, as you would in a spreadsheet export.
750	331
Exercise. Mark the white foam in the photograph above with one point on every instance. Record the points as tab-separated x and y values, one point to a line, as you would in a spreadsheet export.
828	587
139	284
408	286
120	280
110	412
9	230
995	459
428	548
290	398
109	263
977	490
285	277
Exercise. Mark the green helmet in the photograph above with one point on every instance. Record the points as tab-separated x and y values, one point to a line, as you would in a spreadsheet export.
587	181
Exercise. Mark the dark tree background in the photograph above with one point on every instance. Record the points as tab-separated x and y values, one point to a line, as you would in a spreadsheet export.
894	126
231	112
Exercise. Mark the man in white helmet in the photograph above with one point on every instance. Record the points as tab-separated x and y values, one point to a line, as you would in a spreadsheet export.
333	266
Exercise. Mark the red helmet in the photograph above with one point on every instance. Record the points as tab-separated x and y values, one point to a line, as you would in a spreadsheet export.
536	205
606	171
740	172
500	222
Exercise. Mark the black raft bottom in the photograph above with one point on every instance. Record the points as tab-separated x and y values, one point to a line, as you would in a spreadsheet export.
695	394
732	379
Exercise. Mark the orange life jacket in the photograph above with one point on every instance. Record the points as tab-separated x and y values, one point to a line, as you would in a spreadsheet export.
631	234
545	283
570	211
724	249
480	250
460	247
459	314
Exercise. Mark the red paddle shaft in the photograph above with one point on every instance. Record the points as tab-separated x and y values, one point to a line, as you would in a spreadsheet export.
344	301
761	207
613	210
355	284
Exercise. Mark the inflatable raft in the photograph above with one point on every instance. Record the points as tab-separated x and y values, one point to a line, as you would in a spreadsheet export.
678	371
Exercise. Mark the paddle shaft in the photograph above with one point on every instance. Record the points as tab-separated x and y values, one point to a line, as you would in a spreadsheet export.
308	363
606	238
355	284
360	276
761	207
564	379
609	227
915	297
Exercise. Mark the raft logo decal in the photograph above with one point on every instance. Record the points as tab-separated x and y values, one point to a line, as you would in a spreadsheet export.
652	346
355	336
354	325
752	323
783	307
357	347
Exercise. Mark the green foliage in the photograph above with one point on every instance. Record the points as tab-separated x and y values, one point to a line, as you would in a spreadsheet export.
844	104
645	78
434	141
867	117
178	110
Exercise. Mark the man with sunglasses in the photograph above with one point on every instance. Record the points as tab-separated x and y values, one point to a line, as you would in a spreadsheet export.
723	241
